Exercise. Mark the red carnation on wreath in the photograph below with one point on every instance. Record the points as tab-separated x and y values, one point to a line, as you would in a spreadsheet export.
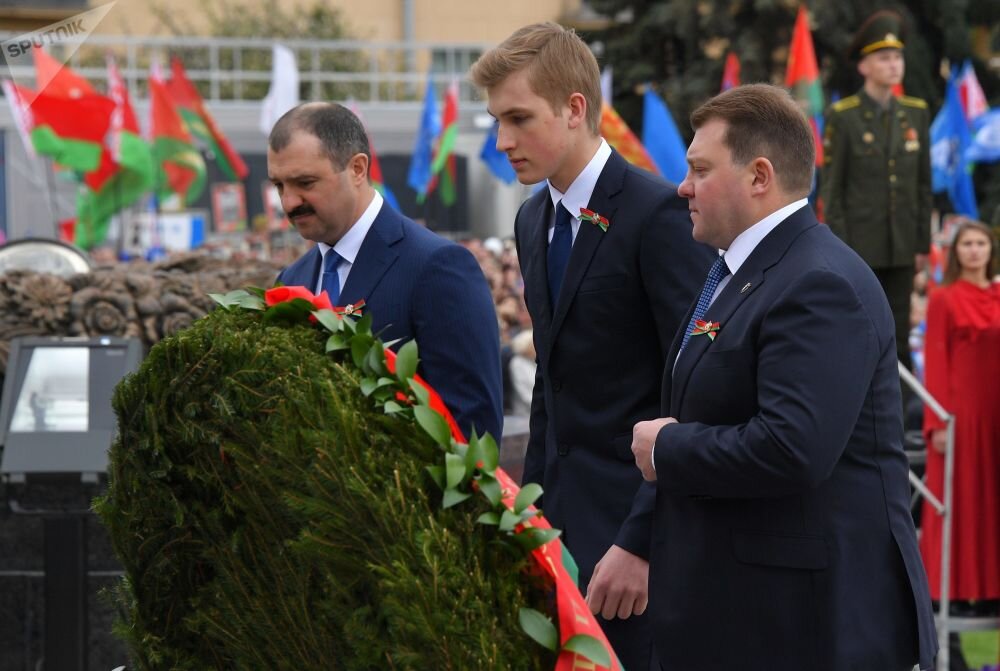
277	295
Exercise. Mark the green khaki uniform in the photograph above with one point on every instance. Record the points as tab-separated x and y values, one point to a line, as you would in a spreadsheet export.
876	191
876	178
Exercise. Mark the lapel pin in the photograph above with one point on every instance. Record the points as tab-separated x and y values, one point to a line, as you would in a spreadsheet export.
745	287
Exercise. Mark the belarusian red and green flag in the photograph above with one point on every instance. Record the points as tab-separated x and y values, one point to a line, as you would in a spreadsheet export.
180	168
443	169
126	171
69	118
802	77
202	125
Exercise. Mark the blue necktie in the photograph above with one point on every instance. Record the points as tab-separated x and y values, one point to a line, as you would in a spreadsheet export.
718	271
331	280
559	249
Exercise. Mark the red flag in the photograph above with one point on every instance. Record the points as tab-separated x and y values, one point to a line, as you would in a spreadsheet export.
731	72
802	77
181	168
201	123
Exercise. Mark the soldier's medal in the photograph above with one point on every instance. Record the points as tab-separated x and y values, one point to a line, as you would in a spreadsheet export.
868	138
912	143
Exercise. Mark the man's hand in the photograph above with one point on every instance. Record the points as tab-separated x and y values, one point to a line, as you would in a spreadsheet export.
620	585
643	438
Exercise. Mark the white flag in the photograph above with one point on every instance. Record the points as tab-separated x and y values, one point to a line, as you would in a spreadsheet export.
284	92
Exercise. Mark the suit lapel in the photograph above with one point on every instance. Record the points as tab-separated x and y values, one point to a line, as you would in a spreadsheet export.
374	258
590	236
741	286
536	215
307	274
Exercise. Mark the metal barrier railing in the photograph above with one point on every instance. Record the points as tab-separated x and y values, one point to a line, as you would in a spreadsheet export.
239	68
946	624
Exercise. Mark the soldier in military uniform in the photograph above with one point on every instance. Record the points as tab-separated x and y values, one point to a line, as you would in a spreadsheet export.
876	180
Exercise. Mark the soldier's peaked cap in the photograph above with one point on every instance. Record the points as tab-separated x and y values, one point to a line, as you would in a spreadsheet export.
882	30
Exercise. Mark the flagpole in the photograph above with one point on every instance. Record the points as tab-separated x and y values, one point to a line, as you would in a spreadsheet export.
53	201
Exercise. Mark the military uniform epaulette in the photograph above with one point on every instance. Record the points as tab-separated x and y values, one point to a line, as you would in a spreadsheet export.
909	101
847	103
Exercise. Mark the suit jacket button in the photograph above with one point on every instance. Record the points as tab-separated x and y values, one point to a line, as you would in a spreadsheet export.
556	386
563	450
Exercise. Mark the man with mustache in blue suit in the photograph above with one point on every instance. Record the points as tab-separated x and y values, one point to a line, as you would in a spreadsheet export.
415	284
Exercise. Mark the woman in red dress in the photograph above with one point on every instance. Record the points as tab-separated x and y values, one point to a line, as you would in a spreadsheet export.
962	353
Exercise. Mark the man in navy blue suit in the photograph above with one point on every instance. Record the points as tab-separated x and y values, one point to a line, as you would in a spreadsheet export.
415	284
782	534
609	268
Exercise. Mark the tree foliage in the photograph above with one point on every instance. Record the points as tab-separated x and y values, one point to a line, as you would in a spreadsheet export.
679	47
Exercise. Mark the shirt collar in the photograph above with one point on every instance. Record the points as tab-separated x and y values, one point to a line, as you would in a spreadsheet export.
579	192
747	241
350	244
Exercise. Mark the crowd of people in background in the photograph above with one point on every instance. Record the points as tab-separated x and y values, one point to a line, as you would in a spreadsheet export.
498	260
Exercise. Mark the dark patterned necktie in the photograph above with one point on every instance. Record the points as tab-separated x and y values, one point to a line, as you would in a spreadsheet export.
559	249
716	273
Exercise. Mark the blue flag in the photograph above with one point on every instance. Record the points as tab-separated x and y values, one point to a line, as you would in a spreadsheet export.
419	176
495	159
950	139
985	147
662	139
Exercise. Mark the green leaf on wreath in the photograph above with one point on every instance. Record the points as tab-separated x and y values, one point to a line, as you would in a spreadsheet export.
454	467
368	385
392	407
364	325
533	537
489	486
335	343
589	647
493	519
437	474
473	454
491	454
406	361
252	302
509	520
295	310
539	628
453	497
359	349
528	495
225	300
420	391
434	424
329	319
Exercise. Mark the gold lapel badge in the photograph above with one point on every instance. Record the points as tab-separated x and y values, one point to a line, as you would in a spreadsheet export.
868	137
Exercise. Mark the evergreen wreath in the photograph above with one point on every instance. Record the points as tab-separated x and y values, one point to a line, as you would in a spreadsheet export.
286	493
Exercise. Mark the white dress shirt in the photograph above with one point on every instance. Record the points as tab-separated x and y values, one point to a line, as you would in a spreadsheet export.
350	244
579	192
744	244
